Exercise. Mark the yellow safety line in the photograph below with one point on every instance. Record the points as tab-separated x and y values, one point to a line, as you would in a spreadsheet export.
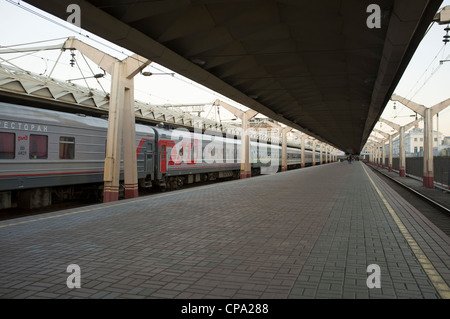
438	282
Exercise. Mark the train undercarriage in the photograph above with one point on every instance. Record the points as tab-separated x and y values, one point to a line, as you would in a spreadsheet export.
91	193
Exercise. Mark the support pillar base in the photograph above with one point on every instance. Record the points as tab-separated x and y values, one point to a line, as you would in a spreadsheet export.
245	174
428	181
402	173
110	194
131	191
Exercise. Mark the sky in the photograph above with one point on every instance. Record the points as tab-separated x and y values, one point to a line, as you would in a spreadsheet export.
425	81
161	88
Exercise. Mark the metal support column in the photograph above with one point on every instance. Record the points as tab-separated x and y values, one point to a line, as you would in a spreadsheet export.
246	169
391	150
246	166
427	113
428	174
114	137
121	121
321	152
284	165
314	153
402	155
303	152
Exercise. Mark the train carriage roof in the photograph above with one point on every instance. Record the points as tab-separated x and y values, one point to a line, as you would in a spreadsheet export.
21	113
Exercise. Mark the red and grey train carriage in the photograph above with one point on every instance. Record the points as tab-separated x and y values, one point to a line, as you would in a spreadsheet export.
47	155
187	157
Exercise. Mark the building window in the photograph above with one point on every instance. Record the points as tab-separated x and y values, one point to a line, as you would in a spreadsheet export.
66	147
435	139
415	149
421	139
415	139
38	146
7	145
421	148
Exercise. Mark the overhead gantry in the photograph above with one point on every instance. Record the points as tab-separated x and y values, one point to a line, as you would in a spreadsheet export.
375	157
121	121
283	130
427	113
389	137
245	116
303	137
402	152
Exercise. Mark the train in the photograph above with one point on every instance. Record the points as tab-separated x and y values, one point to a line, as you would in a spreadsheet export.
51	156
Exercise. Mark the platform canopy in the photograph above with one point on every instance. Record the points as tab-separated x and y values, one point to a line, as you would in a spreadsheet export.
313	65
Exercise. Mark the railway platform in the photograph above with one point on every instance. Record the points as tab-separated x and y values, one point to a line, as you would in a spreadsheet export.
331	231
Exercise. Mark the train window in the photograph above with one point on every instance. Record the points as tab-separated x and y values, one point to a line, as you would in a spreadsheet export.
7	145
38	146
66	147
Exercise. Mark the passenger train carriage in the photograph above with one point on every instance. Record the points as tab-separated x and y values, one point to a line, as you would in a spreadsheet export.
48	156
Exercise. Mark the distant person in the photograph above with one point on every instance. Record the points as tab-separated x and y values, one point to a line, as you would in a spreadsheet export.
349	159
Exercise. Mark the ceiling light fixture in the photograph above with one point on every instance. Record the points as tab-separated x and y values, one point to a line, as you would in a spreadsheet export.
198	61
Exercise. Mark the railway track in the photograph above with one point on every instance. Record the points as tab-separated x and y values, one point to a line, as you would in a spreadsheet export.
437	213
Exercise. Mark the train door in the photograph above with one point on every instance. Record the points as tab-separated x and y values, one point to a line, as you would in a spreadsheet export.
149	166
163	159
164	145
